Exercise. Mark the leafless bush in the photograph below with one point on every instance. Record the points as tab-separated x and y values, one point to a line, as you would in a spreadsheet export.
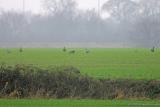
22	81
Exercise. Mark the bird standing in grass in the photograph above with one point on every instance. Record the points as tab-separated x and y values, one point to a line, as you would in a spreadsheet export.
153	49
87	51
64	49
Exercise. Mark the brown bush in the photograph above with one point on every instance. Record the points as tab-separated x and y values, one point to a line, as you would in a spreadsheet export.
22	81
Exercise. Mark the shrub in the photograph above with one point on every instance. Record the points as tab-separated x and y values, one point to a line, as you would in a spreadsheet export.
23	81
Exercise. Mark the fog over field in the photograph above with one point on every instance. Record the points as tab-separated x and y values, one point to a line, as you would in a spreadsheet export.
110	23
64	44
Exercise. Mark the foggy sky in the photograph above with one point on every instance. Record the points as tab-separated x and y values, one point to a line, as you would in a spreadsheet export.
35	6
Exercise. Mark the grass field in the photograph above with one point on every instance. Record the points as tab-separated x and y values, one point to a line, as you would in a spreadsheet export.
77	103
99	63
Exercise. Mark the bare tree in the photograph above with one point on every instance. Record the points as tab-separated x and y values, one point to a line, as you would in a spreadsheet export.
146	32
149	7
147	26
12	26
121	9
65	8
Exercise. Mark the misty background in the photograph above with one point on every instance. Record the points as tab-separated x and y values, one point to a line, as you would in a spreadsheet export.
115	23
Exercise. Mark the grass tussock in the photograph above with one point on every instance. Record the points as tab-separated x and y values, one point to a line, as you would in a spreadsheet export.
22	81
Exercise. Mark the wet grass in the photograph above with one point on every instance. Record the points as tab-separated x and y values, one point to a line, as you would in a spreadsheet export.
77	103
99	63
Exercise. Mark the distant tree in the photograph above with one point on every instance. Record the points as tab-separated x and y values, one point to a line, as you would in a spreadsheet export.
142	20
121	10
65	8
145	32
12	25
149	8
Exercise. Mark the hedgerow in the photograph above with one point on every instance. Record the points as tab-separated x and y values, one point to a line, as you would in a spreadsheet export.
26	81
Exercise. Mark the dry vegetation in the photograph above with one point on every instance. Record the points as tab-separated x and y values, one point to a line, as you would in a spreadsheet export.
22	81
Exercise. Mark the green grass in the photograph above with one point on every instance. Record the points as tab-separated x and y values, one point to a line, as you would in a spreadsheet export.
99	63
77	103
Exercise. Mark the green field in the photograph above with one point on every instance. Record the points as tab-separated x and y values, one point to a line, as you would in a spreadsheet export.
77	103
99	63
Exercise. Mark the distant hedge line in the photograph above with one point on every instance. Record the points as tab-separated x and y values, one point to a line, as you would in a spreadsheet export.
22	81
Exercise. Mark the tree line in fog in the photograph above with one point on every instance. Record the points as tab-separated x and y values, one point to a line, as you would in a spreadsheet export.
136	22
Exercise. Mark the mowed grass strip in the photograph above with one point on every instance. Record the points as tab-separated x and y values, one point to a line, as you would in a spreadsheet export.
77	103
99	63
